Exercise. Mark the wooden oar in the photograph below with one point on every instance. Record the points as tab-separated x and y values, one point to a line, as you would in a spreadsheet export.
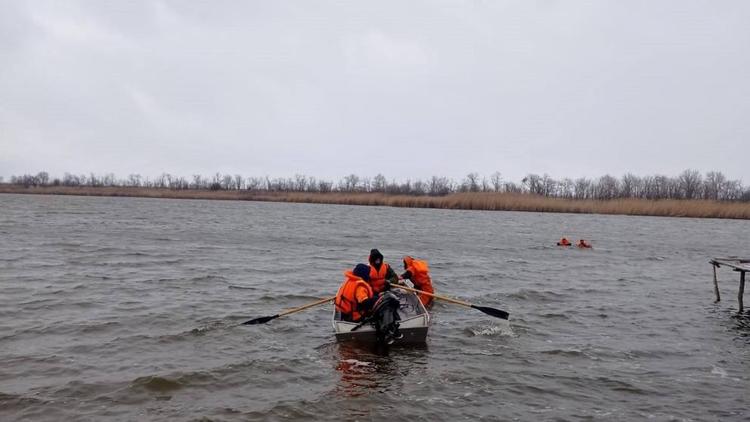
265	319
497	313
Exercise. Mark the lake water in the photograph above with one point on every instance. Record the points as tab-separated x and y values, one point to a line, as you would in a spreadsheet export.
130	309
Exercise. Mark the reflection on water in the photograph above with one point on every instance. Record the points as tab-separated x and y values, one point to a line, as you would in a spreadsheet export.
376	368
368	368
742	325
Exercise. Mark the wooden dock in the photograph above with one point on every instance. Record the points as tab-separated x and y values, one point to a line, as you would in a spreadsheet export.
741	265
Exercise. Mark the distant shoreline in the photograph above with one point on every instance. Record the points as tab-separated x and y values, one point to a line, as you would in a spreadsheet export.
458	201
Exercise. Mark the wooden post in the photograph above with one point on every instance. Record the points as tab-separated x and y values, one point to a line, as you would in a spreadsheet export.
742	289
716	286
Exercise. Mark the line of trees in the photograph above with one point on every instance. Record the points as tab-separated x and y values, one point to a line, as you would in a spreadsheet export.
690	184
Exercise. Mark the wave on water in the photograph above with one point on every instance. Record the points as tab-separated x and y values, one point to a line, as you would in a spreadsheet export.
721	372
564	352
164	383
355	362
211	326
622	386
194	279
286	297
165	338
325	258
208	277
502	330
126	264
537	295
555	315
235	286
156	384
18	401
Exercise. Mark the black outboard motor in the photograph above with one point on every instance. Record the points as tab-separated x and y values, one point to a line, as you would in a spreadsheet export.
385	318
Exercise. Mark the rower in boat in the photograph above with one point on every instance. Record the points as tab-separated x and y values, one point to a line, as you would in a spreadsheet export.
418	273
564	242
355	297
380	272
584	244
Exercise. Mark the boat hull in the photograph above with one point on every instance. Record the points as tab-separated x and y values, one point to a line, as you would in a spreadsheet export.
411	336
414	324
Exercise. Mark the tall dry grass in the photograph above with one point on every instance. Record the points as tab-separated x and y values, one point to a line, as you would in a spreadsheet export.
463	201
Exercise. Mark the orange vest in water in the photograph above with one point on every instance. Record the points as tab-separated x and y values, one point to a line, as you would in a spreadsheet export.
377	278
420	276
346	298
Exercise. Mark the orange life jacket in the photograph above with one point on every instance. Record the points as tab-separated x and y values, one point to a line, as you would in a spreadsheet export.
377	278
346	297
420	276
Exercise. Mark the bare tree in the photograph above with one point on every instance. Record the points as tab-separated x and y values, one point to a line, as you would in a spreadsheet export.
440	186
471	184
511	187
630	186
254	183
239	182
325	186
349	183
690	182
534	184
688	185
582	188
378	183
366	184
42	178
608	187
497	181
713	184
566	188
419	188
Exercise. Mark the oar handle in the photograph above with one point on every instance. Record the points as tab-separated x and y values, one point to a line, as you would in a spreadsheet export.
447	299
309	305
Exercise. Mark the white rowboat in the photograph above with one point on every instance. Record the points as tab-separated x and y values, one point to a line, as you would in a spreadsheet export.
414	323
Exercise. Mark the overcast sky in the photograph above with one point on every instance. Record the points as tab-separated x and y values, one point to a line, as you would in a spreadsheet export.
403	88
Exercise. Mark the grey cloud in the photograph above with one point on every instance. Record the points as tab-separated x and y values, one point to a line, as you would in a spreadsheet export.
409	89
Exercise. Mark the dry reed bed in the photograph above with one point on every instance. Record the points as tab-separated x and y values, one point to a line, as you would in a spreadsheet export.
465	201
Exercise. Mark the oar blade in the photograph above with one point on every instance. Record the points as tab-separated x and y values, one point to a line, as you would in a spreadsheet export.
260	320
497	313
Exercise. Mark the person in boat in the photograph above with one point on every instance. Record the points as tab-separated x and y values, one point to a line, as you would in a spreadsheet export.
380	272
355	297
564	242
418	273
584	244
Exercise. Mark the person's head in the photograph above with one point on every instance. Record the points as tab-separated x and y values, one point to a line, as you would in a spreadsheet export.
362	271
376	258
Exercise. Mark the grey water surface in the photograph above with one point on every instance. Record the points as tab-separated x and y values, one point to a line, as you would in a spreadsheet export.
131	309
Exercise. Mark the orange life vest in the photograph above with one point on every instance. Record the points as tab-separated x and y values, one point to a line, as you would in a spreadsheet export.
346	298
420	276
377	278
